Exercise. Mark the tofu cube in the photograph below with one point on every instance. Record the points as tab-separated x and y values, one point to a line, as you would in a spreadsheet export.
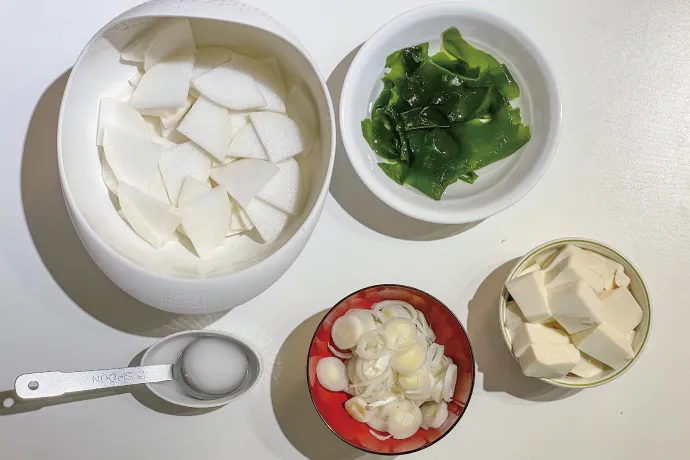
605	344
528	334
588	367
572	269
621	310
620	279
529	291
575	306
513	317
533	267
548	360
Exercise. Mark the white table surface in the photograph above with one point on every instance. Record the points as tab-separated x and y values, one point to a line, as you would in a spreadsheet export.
621	175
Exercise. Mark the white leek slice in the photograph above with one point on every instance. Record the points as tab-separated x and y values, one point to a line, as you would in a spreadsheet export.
402	333
409	362
346	332
357	409
331	374
449	382
434	414
365	317
404	419
378	339
339	354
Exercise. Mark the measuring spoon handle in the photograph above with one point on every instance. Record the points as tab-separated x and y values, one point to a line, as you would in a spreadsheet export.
49	384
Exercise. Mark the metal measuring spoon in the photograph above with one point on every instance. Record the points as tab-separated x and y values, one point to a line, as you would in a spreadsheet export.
208	368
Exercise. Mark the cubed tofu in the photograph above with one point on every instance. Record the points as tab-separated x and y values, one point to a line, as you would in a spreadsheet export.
575	306
570	269
588	367
533	267
548	360
529	291
606	344
620	279
513	317
603	266
528	334
621	310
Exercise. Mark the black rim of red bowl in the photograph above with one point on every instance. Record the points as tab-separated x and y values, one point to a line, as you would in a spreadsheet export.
469	396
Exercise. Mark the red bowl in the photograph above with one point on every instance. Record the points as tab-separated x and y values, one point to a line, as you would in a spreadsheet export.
449	333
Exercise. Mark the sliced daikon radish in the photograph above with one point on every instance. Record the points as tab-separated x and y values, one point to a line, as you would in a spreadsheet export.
434	414
357	408
191	190
404	419
171	117
132	159
158	190
151	219
268	78
346	332
110	180
239	221
174	136
208	124
231	87
409	362
301	108
331	374
135	49
163	142
154	125
269	221
244	179
165	85
206	221
174	36
183	160
126	94
365	317
449	382
402	333
285	190
118	114
246	144
238	120
372	345
279	134
210	57
136	78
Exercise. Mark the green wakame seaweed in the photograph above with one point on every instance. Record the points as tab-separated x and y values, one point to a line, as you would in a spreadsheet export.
440	118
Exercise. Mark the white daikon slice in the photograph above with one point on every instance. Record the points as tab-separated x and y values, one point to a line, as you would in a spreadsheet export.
118	114
151	219
301	108
136	78
346	332
331	374
409	362
206	221
404	419
449	382
174	36
231	87
135	49
191	190
208	124
267	75
171	117
269	221
434	414
357	409
163	142
126	94
186	159
165	85
285	190
174	136
238	119
132	159
279	134
239	221
110	180
365	317
402	333
158	190
154	125
244	179
246	144
210	57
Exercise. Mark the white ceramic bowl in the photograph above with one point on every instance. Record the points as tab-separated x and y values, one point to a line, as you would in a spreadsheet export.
541	254
173	279
499	185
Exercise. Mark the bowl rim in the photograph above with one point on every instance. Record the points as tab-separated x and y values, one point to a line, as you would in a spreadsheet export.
447	216
191	282
520	264
469	396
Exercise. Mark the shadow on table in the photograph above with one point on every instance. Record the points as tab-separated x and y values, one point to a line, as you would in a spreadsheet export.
10	404
494	360
356	199
58	245
292	404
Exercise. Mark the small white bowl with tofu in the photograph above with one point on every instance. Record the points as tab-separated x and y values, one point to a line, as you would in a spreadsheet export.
575	313
195	149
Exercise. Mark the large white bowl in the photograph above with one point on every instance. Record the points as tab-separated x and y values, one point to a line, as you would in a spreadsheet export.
501	184
173	279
